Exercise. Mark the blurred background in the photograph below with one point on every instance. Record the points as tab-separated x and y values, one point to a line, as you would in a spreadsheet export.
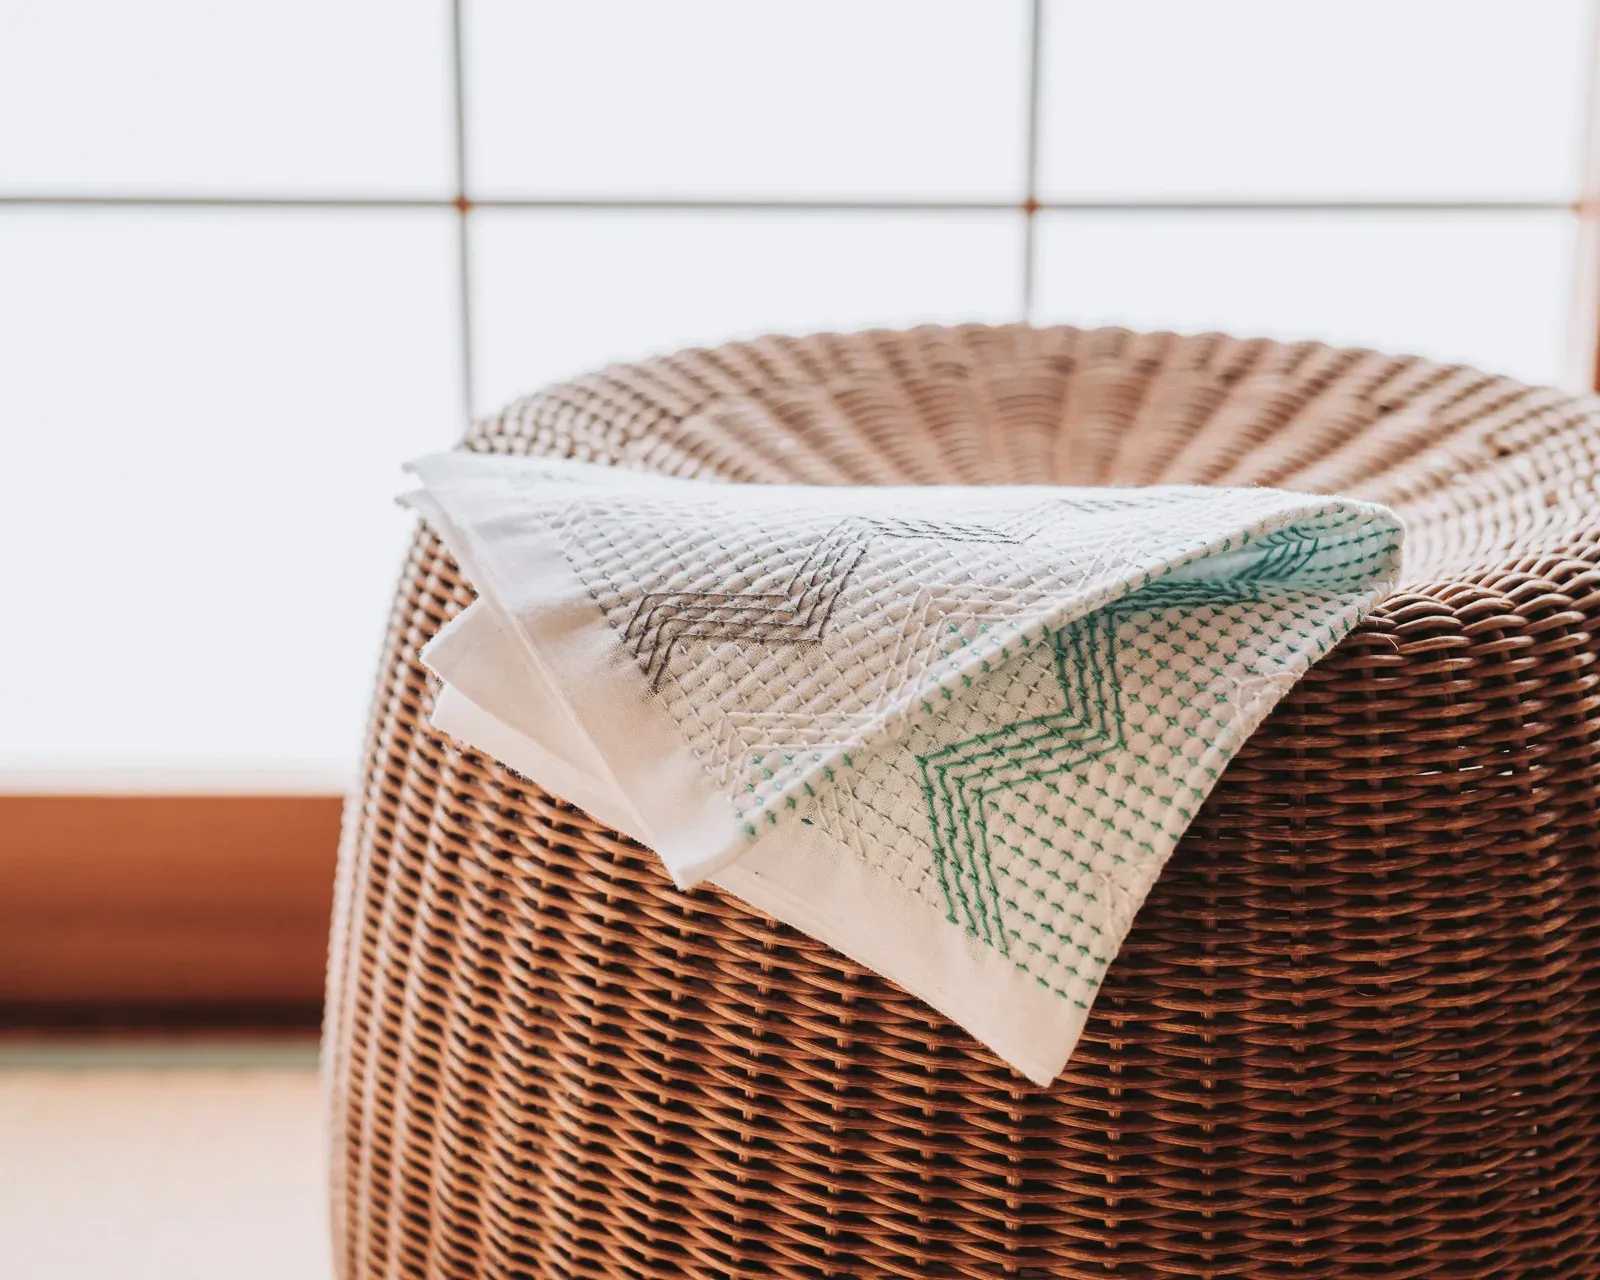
253	257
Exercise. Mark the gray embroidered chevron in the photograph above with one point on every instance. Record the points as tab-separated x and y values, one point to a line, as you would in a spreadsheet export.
801	611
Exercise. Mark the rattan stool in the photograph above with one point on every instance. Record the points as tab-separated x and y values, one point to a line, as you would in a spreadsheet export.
1354	1032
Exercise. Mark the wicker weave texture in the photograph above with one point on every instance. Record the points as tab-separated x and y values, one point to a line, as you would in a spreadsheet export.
1355	1029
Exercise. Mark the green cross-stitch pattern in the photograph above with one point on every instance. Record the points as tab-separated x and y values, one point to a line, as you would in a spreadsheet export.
960	780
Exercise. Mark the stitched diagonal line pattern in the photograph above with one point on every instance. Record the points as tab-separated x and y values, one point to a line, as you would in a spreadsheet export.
959	779
800	612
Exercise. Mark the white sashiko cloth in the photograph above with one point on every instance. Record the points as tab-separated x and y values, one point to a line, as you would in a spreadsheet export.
953	732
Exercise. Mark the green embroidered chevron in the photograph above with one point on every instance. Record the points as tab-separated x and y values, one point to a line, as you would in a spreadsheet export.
959	780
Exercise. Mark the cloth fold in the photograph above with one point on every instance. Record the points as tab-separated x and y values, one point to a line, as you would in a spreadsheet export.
953	732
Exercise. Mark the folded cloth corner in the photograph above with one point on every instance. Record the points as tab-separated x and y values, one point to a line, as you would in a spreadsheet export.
953	732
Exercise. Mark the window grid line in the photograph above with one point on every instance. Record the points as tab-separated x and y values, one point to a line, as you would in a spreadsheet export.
463	208
1586	205
1030	201
1583	312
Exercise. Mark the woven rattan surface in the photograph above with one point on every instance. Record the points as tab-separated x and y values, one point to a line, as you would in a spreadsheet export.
1354	1032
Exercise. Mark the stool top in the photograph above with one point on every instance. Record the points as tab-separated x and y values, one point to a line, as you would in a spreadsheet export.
1483	469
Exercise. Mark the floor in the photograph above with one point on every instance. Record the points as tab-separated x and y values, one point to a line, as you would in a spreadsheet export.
169	1160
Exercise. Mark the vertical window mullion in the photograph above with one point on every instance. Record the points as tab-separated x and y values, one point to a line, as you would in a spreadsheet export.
1030	200
1583	326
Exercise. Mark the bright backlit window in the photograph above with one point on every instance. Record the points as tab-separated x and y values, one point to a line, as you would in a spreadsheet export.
253	258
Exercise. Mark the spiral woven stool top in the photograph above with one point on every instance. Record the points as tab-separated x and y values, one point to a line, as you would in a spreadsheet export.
1354	1032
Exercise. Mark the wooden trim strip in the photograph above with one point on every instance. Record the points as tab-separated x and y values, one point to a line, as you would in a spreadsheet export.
162	900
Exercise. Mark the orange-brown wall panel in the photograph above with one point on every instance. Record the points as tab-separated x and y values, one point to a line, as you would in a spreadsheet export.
165	899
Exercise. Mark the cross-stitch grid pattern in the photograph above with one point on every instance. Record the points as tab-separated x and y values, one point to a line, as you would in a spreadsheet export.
885	667
1041	834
